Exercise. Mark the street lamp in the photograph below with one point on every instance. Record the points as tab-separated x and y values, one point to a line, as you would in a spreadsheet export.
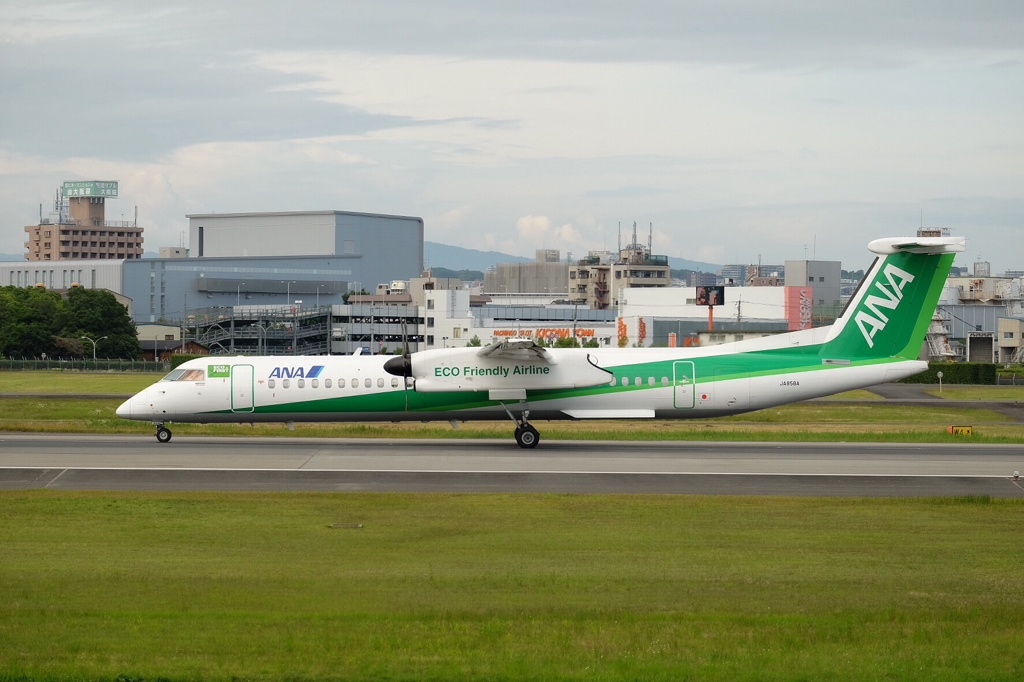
238	294
93	345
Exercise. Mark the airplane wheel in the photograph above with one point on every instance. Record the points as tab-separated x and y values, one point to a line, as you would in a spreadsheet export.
527	436
163	434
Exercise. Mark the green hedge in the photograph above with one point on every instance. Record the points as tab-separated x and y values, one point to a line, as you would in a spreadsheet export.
983	373
179	358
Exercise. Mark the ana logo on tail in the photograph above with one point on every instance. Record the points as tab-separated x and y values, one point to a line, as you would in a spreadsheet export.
875	321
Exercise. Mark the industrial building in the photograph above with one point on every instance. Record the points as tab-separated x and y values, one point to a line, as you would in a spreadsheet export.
547	275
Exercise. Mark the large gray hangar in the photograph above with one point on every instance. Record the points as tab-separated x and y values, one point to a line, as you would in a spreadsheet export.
267	259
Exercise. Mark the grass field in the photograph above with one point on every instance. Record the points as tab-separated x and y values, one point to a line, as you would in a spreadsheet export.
534	587
266	586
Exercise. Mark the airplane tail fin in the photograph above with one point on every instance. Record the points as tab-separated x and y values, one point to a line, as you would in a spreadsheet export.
889	313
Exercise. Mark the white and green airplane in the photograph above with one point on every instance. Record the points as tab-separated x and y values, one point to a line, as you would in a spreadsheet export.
878	338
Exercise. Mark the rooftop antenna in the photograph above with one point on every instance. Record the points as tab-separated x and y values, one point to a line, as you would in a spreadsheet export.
620	236
650	238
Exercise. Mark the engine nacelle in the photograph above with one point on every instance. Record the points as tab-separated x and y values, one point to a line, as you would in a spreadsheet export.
467	369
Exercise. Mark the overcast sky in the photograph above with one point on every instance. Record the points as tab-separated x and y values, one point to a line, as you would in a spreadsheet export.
741	130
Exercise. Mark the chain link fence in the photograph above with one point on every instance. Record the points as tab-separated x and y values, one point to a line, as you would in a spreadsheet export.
83	365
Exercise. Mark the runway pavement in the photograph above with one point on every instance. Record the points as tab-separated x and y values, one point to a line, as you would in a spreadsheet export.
82	462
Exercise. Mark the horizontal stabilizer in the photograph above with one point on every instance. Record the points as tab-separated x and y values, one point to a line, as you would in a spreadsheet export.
921	245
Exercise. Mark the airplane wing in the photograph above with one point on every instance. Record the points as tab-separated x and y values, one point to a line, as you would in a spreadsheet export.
515	348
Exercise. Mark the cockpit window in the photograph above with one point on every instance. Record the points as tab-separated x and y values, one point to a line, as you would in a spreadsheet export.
186	375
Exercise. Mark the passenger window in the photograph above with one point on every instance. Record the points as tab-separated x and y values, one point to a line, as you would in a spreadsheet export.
394	382
327	383
380	382
355	383
636	382
315	383
271	383
302	383
341	383
285	383
625	381
650	381
367	382
664	381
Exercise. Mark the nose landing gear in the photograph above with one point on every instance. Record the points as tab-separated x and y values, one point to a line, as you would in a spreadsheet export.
163	434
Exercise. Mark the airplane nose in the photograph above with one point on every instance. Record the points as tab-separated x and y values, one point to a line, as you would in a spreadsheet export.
125	410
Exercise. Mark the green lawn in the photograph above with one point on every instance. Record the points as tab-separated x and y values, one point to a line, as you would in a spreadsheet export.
56	382
955	392
491	587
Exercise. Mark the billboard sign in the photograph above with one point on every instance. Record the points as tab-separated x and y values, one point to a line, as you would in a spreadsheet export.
799	307
710	296
90	188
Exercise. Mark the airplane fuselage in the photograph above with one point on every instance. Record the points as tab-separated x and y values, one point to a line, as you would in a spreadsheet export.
650	383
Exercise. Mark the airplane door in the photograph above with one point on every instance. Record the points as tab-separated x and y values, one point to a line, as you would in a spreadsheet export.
242	388
683	380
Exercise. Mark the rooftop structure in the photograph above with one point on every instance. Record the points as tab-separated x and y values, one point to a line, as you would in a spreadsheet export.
77	228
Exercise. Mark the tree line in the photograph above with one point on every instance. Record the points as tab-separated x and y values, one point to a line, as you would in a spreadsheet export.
35	321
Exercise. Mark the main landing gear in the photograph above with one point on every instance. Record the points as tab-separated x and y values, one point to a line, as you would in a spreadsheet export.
526	435
163	434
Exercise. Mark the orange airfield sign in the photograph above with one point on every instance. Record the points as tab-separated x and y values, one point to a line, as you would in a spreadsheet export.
543	332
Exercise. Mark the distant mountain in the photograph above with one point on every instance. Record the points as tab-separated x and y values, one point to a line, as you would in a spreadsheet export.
457	258
685	264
